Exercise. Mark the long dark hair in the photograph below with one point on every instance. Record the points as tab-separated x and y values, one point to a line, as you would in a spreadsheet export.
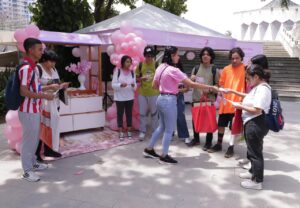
169	51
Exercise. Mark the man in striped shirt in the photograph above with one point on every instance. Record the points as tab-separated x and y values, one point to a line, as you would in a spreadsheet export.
29	111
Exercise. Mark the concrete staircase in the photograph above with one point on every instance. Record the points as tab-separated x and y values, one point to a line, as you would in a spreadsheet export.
274	49
285	73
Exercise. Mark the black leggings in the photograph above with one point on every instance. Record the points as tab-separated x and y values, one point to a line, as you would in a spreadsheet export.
127	106
255	131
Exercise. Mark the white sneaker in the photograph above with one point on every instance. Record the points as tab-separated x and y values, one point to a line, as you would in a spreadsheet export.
129	135
249	184
121	136
247	166
31	176
40	166
243	161
142	136
246	175
187	140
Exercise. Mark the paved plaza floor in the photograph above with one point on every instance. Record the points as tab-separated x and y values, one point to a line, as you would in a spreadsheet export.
122	178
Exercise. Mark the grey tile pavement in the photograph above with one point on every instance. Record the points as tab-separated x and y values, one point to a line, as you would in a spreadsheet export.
122	178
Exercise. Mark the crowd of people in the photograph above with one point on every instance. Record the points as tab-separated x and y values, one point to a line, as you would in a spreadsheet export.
161	91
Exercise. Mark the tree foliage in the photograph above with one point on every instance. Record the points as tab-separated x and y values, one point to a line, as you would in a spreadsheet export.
176	7
62	15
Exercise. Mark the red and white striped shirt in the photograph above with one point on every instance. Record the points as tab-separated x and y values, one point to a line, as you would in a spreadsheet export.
30	105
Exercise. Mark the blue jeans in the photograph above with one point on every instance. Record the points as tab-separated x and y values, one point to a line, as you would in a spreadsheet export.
182	128
166	108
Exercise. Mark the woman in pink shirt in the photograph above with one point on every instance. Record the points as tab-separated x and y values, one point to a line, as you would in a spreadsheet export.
166	79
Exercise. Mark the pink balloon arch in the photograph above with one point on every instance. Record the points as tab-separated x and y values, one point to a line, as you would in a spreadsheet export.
126	41
13	131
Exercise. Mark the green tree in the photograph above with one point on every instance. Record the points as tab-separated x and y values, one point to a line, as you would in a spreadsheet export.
62	15
104	9
176	7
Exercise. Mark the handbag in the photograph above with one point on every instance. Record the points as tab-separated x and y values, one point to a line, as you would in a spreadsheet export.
237	122
204	118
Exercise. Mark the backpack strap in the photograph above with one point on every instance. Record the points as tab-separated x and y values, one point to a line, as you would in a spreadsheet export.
214	71
196	69
119	72
132	74
40	70
140	69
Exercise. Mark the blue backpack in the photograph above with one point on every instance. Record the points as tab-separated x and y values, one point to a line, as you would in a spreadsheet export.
13	98
274	118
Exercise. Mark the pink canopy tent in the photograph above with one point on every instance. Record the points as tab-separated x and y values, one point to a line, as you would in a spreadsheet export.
162	28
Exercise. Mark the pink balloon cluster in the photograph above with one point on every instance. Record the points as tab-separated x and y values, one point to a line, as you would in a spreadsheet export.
13	131
111	116
126	41
30	31
81	67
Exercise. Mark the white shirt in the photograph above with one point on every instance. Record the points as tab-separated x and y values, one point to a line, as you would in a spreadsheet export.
47	79
123	93
259	97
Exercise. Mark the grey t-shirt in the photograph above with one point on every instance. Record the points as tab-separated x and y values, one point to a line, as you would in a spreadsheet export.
205	76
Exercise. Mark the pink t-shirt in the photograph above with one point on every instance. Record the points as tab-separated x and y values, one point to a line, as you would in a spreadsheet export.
168	78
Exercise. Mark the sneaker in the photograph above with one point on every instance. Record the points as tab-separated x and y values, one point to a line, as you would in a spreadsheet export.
167	159
40	166
150	153
121	136
194	142
206	147
229	153
31	176
187	140
247	166
216	148
246	175
52	153
142	136
243	161
249	184
39	159
129	135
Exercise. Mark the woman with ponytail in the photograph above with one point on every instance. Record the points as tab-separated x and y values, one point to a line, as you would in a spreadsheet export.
166	79
254	106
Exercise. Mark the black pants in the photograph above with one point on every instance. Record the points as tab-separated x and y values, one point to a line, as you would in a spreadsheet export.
255	131
127	106
209	136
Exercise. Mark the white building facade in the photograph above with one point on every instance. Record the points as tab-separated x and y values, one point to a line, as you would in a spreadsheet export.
14	14
271	23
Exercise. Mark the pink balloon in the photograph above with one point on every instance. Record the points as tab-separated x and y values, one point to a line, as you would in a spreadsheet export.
120	38
111	113
126	27
20	35
118	49
13	134
110	50
124	46
18	147
130	37
113	125
32	31
20	47
114	36
12	118
76	52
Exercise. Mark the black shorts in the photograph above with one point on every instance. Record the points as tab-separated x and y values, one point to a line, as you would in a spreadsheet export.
225	119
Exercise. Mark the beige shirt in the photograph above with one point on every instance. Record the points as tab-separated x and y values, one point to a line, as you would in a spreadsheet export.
205	76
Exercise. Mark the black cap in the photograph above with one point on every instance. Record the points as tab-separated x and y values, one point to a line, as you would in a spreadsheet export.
149	51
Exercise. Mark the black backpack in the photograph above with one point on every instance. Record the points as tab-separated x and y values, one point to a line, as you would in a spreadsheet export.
13	98
213	71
